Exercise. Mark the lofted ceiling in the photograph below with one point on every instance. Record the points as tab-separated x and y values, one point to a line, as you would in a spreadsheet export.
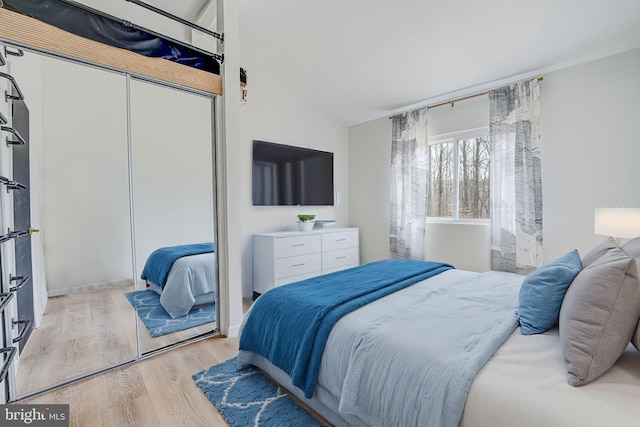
357	60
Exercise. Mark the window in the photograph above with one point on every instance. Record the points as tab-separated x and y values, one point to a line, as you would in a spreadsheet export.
459	176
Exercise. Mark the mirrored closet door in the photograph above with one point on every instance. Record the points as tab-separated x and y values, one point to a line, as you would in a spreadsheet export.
173	205
80	202
120	169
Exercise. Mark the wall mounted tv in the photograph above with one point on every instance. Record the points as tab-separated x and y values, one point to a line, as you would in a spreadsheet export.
284	175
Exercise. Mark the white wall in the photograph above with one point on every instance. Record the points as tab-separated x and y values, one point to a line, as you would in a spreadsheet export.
277	114
590	155
85	192
369	181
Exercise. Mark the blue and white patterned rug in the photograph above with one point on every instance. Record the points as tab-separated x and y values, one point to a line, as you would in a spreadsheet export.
157	320
249	398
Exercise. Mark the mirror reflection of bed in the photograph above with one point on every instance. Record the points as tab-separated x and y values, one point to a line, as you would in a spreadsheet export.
181	291
106	192
172	182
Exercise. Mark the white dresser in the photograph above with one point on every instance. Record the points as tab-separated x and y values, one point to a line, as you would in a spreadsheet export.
289	256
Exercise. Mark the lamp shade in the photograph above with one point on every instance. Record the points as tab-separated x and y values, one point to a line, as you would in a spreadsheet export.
617	222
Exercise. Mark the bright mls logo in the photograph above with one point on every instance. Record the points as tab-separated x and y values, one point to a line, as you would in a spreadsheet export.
34	415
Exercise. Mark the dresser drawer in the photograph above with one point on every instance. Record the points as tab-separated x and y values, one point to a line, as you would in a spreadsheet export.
339	240
297	265
341	258
285	257
296	245
287	280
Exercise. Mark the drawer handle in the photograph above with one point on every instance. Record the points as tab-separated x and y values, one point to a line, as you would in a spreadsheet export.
341	257
299	265
340	240
299	244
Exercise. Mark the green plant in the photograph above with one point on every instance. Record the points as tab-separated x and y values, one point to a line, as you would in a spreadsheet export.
305	218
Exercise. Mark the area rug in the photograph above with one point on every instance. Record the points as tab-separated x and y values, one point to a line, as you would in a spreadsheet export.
157	320
249	398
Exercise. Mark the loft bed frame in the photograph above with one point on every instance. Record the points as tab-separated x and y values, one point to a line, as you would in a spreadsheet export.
25	32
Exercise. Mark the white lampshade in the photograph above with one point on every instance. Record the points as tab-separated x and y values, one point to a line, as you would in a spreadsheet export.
617	222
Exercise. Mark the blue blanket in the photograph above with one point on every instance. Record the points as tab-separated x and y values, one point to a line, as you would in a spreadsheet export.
289	325
156	269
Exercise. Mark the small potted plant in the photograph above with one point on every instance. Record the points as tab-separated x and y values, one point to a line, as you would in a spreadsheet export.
306	222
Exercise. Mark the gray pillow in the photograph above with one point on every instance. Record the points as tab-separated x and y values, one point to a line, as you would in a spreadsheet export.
632	247
599	314
598	251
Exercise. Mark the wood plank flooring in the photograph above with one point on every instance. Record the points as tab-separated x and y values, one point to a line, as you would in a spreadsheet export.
157	391
85	332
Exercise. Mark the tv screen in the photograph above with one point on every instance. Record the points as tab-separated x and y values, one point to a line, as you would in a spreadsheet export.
287	175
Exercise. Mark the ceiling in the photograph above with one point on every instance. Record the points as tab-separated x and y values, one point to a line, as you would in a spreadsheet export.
358	60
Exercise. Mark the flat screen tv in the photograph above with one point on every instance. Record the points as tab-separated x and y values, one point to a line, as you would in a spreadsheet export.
284	175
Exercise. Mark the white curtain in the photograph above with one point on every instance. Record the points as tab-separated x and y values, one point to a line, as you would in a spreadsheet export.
516	183
409	183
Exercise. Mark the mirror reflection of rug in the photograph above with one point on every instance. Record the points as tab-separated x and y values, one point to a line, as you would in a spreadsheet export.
157	320
249	398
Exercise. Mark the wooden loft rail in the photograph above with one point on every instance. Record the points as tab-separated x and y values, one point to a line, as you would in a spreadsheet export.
32	33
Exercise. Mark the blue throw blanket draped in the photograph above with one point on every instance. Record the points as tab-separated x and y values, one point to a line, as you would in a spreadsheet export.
289	325
159	263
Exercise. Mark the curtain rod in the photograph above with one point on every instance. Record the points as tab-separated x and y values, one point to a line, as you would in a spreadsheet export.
464	98
458	99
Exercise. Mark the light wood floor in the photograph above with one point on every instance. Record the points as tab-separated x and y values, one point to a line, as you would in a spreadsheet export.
157	391
85	332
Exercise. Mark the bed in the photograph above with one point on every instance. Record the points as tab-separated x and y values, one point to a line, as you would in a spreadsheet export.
381	363
184	276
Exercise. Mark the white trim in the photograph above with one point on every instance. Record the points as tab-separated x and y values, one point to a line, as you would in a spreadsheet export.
460	221
233	331
455	205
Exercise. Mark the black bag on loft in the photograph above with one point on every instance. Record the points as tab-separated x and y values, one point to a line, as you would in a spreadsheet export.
95	25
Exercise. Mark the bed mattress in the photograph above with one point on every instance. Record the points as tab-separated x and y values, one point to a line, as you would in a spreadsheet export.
525	384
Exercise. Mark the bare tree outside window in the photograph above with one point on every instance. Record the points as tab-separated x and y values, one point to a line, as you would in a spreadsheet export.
466	164
440	199
474	160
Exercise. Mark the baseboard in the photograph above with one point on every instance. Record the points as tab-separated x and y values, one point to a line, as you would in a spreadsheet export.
233	331
89	287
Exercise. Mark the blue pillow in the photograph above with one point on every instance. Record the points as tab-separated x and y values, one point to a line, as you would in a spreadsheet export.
542	293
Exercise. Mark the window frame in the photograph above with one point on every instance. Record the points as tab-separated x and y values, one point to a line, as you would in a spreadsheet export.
454	137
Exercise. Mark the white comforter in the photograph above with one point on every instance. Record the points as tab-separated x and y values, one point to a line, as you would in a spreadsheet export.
191	281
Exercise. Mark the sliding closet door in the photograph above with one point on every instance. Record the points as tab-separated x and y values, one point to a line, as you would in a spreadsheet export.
80	202
173	205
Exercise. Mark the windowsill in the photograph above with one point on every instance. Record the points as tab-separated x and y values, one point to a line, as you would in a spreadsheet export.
463	221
